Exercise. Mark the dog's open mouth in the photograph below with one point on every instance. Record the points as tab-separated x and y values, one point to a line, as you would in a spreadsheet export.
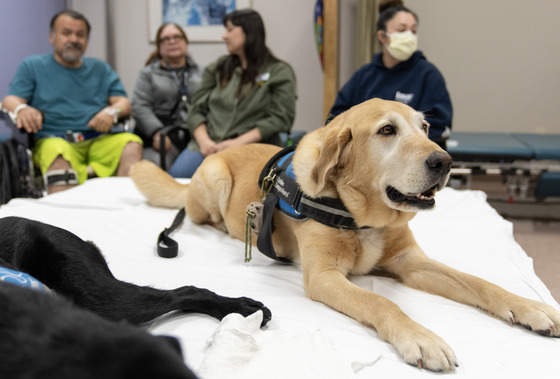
423	200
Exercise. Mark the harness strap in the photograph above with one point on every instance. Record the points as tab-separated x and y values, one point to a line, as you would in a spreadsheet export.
272	162
326	210
285	194
264	240
22	279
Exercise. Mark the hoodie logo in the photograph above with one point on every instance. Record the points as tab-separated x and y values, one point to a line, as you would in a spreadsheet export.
405	98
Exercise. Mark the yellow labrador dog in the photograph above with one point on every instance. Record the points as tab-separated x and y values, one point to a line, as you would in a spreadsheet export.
377	159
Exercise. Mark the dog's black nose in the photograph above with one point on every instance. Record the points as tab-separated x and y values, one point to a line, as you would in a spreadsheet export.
439	162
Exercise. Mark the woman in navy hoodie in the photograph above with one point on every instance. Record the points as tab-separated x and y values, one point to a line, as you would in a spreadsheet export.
400	73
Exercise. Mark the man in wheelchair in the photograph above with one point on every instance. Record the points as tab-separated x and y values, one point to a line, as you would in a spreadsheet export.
71	103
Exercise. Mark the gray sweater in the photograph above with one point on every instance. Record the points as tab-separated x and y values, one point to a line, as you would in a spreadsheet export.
156	93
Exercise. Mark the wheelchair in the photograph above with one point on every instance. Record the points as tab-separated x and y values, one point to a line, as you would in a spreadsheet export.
18	176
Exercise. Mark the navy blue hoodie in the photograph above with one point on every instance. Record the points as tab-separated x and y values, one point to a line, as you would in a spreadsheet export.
415	82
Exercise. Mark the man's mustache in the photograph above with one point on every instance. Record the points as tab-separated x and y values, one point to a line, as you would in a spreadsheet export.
74	45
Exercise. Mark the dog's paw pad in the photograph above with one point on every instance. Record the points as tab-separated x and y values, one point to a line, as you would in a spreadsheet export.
428	351
540	318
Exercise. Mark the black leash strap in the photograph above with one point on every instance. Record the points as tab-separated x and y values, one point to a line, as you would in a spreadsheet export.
264	239
167	247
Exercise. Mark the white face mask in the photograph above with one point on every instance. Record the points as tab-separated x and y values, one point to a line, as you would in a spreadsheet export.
402	45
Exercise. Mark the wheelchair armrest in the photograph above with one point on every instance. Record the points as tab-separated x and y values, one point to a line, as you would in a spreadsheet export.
17	133
124	124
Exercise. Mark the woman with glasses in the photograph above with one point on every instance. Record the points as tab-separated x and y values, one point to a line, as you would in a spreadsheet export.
245	97
163	92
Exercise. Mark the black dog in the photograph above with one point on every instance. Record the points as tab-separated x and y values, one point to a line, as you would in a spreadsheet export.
46	336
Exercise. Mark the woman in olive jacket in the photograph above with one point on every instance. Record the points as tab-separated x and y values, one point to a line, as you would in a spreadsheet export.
245	97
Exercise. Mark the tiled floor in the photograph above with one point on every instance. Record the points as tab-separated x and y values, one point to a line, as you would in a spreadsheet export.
541	241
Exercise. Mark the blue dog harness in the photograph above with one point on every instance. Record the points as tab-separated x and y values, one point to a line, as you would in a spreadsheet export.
284	193
21	279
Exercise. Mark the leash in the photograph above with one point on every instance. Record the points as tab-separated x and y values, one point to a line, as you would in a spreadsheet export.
167	247
259	214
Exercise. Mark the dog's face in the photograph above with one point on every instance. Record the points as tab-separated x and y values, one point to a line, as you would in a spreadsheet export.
410	168
379	150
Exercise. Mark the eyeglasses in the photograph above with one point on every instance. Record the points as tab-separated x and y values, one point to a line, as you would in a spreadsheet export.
176	37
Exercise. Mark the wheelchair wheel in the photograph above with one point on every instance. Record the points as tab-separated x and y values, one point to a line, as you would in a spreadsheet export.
17	174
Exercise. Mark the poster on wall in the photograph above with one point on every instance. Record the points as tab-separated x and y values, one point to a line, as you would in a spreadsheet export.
201	19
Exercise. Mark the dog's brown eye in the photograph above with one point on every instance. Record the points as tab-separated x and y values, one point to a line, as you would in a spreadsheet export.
387	130
425	127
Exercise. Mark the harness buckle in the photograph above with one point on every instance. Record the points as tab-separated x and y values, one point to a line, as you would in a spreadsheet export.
255	214
267	184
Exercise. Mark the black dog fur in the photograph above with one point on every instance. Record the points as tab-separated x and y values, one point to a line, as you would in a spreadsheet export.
49	337
46	336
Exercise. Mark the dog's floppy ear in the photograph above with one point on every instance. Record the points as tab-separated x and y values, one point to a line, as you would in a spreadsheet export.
330	153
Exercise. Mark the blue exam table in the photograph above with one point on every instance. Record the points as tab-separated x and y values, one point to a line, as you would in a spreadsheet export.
511	154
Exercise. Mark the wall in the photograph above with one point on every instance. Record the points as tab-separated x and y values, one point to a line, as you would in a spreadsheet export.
500	60
95	12
35	33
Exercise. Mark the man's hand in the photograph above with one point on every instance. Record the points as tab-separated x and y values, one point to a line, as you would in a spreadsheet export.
30	119
102	121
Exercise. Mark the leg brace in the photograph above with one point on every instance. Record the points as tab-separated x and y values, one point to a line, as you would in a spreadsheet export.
60	177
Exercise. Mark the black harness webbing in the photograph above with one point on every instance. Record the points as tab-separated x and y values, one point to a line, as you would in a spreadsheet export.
284	193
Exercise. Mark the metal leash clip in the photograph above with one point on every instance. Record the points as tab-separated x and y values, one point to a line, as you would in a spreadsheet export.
267	184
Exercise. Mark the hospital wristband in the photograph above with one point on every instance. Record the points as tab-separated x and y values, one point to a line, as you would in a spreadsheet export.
17	110
113	112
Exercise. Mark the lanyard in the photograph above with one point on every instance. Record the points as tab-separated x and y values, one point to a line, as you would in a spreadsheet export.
181	85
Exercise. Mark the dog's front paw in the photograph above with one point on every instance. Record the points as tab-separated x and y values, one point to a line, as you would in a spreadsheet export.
533	315
246	306
424	349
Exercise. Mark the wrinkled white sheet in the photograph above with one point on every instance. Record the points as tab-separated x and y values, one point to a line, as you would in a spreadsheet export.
463	232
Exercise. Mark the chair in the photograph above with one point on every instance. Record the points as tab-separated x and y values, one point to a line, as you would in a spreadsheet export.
18	175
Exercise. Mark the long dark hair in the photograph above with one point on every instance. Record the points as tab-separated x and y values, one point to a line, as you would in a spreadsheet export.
256	51
388	10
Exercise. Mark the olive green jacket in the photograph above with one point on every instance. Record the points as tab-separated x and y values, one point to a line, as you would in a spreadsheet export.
269	105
